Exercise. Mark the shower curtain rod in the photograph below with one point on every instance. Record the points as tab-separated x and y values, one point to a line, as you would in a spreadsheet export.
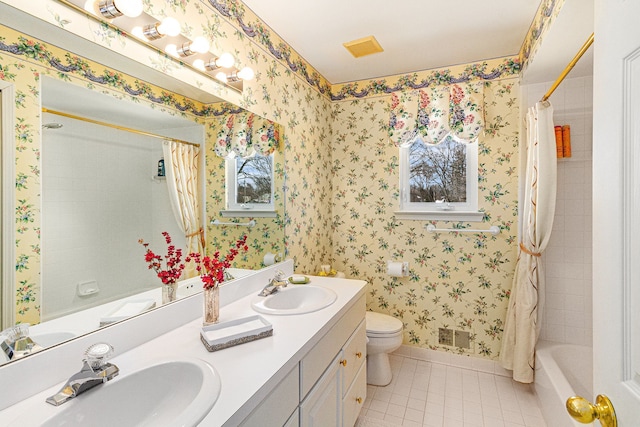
126	129
568	68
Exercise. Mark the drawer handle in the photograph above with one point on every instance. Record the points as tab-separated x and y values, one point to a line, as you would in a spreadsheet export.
359	399
343	362
359	354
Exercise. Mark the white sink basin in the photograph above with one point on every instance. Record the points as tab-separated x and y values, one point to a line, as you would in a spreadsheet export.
294	299
176	393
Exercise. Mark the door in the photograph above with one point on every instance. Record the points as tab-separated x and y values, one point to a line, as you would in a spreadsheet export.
616	207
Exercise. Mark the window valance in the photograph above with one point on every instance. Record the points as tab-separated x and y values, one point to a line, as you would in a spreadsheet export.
244	134
434	113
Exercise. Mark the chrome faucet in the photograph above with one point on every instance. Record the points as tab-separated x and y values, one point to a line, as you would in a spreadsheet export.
17	343
274	284
95	371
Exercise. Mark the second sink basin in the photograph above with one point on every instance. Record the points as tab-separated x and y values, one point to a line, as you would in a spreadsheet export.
175	393
295	299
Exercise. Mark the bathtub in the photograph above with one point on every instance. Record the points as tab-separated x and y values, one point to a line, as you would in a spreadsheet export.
562	371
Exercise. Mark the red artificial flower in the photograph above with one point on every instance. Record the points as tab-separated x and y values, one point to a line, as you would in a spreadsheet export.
172	269
211	268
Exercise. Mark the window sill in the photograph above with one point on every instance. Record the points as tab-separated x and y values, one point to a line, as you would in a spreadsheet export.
440	216
248	213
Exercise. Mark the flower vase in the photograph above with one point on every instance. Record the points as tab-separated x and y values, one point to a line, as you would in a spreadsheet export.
211	305
169	291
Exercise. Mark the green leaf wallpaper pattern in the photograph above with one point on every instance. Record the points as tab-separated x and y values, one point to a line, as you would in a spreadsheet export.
341	171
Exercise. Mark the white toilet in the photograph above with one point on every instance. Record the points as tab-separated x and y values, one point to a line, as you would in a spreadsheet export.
384	335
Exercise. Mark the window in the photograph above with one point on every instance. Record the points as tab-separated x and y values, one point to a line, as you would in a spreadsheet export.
250	184
439	181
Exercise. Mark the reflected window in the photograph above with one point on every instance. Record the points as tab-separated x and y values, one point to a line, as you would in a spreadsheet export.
250	183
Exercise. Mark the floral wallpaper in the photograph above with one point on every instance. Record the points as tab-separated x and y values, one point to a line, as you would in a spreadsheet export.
457	281
341	173
546	14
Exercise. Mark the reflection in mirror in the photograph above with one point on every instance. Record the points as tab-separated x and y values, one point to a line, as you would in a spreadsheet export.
99	192
250	182
245	168
103	188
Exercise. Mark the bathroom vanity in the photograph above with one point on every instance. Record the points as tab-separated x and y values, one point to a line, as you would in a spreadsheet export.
311	372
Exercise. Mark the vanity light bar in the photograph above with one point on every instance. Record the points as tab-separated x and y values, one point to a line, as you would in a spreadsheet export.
106	11
111	9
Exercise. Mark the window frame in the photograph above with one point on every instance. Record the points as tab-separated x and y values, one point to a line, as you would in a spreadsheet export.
235	209
451	211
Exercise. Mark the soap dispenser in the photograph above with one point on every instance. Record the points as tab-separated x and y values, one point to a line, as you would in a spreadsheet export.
161	167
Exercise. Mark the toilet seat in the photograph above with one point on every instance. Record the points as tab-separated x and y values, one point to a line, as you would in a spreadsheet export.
380	325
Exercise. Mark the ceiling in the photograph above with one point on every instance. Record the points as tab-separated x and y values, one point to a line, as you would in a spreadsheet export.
59	95
416	35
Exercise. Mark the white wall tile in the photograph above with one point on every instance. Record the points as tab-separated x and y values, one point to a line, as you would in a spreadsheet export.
97	202
568	258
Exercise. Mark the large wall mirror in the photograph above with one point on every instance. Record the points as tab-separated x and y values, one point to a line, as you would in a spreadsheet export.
100	190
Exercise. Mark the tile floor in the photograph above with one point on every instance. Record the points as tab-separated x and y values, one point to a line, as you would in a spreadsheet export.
426	394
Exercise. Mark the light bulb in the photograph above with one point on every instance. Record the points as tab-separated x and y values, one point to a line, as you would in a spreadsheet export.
112	9
222	77
246	73
90	6
200	45
138	32
199	64
130	8
171	49
225	60
169	27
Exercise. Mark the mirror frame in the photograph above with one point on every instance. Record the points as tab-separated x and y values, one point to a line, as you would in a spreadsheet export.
7	207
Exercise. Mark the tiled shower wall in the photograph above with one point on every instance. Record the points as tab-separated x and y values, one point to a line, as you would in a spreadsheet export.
99	198
567	260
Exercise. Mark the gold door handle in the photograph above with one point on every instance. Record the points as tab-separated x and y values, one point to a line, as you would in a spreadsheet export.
359	399
585	412
343	362
359	354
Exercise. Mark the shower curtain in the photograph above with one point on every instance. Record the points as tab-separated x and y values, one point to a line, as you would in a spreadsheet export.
182	163
526	302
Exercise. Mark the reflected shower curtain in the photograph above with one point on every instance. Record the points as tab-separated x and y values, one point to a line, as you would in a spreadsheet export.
522	325
182	164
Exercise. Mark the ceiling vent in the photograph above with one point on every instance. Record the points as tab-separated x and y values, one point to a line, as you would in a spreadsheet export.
364	46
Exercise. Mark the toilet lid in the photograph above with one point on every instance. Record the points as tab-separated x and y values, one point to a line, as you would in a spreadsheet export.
378	323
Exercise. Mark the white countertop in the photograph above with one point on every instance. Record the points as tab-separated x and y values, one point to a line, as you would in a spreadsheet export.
247	372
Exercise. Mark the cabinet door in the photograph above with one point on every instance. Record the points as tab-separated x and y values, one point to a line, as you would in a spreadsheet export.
354	355
277	407
354	397
322	406
315	362
294	420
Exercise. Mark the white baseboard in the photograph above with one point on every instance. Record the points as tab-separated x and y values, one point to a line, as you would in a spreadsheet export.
450	359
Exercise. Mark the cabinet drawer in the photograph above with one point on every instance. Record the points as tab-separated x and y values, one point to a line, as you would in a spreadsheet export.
354	355
277	408
316	361
354	398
